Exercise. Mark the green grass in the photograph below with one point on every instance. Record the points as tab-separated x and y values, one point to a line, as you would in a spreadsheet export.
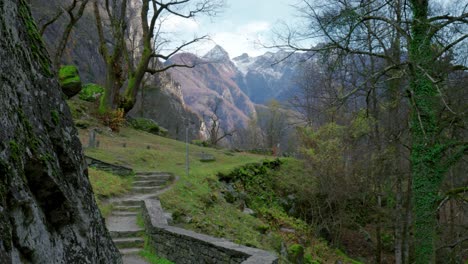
153	258
106	185
164	154
196	196
196	201
140	221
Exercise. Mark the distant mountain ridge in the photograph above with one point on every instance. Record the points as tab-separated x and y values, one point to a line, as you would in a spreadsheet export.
269	76
213	79
239	83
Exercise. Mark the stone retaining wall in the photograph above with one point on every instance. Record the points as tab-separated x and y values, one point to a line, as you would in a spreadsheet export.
112	168
187	247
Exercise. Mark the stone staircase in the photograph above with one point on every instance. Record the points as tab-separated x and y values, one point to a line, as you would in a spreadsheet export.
122	223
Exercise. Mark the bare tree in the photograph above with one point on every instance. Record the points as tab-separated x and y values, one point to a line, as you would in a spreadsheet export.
152	14
74	12
215	131
274	123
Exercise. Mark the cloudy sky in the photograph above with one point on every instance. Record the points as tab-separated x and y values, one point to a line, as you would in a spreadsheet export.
238	29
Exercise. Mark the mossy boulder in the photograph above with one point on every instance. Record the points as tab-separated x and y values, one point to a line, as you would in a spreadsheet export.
91	92
70	80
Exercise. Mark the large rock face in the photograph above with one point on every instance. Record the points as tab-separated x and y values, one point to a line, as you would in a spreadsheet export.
47	209
214	78
269	76
162	102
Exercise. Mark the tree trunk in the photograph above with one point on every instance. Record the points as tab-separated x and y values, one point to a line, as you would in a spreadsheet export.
135	79
425	153
68	29
408	222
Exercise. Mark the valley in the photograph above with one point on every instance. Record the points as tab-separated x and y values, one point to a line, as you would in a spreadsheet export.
220	131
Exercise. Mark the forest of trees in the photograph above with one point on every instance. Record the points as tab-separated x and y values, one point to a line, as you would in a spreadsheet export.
386	121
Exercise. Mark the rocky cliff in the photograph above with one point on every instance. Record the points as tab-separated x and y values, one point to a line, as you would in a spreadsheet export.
213	78
163	102
269	76
47	209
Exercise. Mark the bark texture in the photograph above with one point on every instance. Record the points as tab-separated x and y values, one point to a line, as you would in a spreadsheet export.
47	209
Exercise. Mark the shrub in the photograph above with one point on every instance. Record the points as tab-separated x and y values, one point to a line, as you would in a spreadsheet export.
147	125
200	143
296	253
90	92
114	119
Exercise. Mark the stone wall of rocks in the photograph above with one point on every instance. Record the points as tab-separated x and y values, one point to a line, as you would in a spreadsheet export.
112	168
187	247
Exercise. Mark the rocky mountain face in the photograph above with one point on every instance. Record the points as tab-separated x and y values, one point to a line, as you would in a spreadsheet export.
162	101
82	47
239	83
47	209
213	80
269	76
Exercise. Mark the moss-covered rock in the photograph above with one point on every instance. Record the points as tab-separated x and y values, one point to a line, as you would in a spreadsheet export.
147	125
70	80
91	92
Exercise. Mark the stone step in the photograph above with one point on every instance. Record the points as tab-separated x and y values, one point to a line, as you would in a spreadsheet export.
157	182
131	208
127	234
166	177
129	242
124	213
129	251
146	189
128	203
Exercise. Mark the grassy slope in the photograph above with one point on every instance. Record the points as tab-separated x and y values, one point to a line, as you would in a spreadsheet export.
196	199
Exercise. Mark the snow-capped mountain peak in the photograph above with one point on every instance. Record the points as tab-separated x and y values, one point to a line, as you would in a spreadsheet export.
217	54
244	63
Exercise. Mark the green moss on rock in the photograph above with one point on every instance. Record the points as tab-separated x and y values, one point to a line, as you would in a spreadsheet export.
55	117
148	125
36	43
15	150
69	79
90	92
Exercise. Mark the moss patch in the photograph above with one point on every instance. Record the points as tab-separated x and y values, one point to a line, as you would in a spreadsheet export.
69	79
148	125
91	92
55	117
36	43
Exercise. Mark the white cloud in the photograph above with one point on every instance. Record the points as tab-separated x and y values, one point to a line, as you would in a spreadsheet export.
255	27
176	24
234	38
242	39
